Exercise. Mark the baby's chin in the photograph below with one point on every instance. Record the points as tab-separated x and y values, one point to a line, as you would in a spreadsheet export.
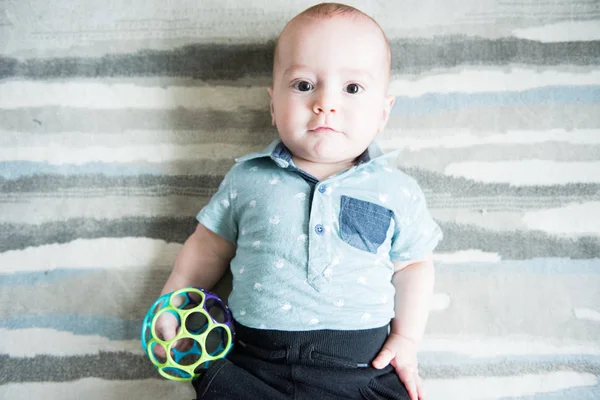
329	154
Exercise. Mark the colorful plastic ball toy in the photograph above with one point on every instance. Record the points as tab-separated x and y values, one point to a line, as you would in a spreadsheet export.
205	333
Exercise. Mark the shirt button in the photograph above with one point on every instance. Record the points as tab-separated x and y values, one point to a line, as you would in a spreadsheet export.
319	229
322	188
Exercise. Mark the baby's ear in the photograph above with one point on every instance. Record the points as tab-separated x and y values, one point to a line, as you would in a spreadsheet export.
270	91
387	108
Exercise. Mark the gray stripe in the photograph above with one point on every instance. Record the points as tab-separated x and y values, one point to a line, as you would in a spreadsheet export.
126	366
516	245
503	203
48	209
419	55
433	183
213	62
255	126
437	159
169	229
84	185
59	119
113	366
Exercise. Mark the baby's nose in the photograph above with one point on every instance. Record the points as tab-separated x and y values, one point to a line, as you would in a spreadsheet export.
325	103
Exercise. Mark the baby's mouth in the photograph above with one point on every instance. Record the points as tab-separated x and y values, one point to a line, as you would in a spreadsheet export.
323	129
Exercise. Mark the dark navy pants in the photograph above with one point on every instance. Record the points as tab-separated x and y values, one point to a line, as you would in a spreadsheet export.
311	365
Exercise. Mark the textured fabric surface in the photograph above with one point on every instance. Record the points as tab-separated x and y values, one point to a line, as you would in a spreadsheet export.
118	120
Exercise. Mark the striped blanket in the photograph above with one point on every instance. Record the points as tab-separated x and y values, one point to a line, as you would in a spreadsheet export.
119	119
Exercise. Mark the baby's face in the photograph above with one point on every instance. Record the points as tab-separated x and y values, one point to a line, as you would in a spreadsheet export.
328	99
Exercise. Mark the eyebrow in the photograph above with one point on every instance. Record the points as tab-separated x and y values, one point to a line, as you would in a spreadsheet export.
349	71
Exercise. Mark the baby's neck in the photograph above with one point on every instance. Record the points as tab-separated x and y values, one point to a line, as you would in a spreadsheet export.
322	171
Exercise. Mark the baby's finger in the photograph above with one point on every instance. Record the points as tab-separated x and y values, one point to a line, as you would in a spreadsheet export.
166	326
383	359
420	388
159	352
411	388
408	378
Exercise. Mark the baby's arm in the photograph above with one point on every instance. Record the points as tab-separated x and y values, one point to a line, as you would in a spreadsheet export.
414	281
202	261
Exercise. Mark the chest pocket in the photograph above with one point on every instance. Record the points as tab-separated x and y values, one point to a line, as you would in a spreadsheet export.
363	224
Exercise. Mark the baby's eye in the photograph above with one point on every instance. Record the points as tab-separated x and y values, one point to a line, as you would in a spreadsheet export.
353	88
303	86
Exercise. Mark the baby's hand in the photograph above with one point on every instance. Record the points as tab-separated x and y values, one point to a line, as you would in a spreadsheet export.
401	352
166	328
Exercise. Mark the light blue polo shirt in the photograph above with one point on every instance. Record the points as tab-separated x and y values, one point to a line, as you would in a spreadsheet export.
318	254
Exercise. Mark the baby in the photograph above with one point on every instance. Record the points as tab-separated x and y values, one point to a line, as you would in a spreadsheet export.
328	242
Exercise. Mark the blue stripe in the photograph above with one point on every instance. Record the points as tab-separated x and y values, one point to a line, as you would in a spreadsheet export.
551	95
18	169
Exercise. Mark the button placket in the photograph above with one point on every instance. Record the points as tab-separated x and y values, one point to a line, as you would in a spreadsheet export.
320	242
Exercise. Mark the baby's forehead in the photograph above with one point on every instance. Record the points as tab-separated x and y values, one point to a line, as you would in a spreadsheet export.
352	24
367	51
361	28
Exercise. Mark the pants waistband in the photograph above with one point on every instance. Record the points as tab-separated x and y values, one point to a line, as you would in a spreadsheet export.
352	348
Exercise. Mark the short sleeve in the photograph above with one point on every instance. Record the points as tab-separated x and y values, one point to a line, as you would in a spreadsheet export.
416	234
219	214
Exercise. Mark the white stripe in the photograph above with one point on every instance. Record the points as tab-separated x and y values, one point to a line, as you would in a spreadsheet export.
485	218
17	209
156	153
463	256
485	347
415	140
15	94
562	31
587	314
439	302
35	341
500	387
489	80
98	389
570	220
527	172
110	253
160	389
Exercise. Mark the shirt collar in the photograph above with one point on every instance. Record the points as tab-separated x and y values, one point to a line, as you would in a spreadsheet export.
279	153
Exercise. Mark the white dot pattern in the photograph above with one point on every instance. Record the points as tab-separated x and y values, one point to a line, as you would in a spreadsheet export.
300	262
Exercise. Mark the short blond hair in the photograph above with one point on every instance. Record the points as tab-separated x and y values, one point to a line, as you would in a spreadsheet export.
332	10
